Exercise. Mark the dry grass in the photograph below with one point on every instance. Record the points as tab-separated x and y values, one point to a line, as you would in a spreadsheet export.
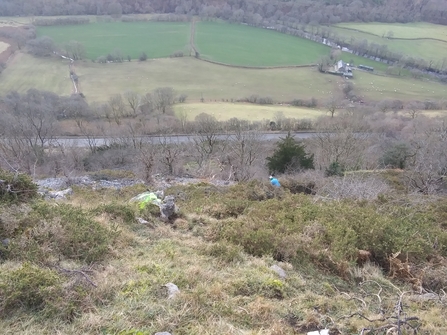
25	72
223	111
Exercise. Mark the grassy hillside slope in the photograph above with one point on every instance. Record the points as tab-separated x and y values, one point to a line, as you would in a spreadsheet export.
86	265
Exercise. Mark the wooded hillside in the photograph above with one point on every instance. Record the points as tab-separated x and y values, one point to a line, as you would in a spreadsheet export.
298	11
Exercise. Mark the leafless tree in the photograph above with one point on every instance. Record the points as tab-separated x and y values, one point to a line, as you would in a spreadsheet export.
30	124
341	140
75	50
244	148
332	104
183	117
146	158
117	108
205	138
427	167
414	108
170	150
163	98
133	100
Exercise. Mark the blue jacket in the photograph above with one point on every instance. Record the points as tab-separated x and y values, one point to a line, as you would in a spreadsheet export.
275	182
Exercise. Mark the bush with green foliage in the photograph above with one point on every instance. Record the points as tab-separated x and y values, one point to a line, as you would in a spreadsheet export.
335	169
289	156
49	232
28	286
396	156
16	187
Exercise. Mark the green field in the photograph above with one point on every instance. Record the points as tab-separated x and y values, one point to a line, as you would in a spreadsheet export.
199	79
156	39
403	41
24	72
401	30
249	46
375	87
225	111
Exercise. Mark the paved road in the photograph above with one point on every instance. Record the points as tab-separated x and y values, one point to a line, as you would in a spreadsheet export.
84	142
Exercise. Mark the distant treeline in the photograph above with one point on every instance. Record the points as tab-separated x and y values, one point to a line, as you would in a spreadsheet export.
60	21
249	11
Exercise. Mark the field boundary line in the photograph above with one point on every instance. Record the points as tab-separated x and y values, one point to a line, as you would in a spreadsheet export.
258	67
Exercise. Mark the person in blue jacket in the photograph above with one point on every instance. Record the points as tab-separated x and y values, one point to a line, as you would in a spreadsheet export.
274	182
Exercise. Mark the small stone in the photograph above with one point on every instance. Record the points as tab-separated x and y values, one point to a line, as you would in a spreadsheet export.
162	333
172	290
142	221
279	271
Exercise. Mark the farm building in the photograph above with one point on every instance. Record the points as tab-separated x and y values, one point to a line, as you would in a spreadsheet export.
343	69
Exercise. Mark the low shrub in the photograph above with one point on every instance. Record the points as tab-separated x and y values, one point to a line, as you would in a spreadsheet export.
16	187
226	252
331	233
54	232
124	212
30	287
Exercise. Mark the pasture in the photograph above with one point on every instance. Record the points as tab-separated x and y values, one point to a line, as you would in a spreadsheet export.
25	72
401	30
225	111
249	46
198	79
156	39
373	87
425	48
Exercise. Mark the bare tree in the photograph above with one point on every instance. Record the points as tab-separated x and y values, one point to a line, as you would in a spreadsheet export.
244	148
170	150
427	167
183	117
206	137
117	108
414	108
342	140
30	123
75	50
133	99
163	98
332	105
41	46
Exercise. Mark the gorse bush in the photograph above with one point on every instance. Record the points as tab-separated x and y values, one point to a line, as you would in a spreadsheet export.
331	233
28	286
16	187
61	231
